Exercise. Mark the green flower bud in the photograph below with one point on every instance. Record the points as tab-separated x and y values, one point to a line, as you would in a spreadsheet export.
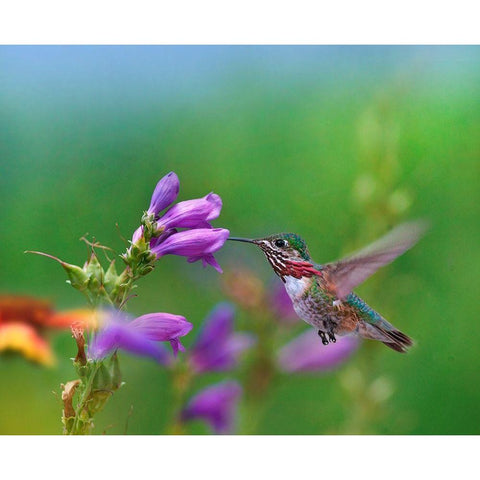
115	372
102	379
77	277
111	277
95	270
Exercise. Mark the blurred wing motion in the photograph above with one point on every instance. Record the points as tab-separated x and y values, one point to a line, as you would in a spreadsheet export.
344	275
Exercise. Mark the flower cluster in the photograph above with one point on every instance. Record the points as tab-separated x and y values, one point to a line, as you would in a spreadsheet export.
217	348
160	232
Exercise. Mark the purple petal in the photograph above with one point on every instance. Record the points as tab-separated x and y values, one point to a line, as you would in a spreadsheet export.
216	405
209	259
137	234
217	327
195	244
158	240
122	335
217	348
192	213
224	358
307	353
282	305
163	327
165	193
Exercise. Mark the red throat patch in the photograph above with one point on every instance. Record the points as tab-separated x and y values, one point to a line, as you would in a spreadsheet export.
300	269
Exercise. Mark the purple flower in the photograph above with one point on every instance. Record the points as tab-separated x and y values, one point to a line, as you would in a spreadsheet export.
192	213
195	244
165	193
139	336
217	347
137	234
306	353
282	305
216	405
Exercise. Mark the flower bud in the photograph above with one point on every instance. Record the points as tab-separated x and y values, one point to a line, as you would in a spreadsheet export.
111	277
95	273
77	277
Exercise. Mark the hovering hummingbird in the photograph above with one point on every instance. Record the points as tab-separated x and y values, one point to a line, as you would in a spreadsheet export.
322	294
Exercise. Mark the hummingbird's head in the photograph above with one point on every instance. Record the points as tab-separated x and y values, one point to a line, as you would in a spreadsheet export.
286	253
285	245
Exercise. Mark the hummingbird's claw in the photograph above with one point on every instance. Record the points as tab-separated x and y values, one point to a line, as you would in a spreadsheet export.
331	336
322	335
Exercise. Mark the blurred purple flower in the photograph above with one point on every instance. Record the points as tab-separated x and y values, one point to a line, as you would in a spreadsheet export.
165	193
217	347
306	353
192	213
139	336
217	405
162	327
197	244
282	305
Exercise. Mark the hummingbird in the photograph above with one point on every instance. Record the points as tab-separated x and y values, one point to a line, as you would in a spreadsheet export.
322	294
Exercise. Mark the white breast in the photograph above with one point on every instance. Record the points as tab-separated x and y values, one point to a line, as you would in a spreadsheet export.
296	286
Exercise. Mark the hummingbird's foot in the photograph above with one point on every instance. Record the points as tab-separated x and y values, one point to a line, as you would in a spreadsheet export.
322	335
331	336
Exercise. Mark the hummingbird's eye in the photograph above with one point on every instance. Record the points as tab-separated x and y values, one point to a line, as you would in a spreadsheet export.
280	243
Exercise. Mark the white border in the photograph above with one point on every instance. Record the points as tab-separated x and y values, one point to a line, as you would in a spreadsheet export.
239	22
242	457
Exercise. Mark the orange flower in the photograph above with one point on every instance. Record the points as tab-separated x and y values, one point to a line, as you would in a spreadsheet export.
23	319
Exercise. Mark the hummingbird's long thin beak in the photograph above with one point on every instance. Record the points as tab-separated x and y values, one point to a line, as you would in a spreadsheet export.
238	239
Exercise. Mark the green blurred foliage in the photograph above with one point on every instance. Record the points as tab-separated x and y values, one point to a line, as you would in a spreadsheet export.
284	156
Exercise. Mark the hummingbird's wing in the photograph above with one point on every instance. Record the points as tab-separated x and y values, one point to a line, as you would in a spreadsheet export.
344	275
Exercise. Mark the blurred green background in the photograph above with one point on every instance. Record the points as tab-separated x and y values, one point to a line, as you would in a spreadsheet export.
334	143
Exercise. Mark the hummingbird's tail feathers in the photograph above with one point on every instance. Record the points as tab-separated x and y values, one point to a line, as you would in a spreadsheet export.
391	337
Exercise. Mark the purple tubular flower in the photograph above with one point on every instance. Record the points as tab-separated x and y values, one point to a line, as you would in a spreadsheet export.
195	244
216	405
162	327
217	347
139	336
192	213
306	353
165	193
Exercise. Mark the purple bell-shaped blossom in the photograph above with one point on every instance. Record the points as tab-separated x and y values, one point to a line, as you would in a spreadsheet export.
217	346
217	405
196	244
306	353
165	193
195	213
139	336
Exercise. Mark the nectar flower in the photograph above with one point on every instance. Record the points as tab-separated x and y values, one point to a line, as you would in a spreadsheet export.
165	193
306	353
197	244
217	405
217	347
192	213
140	336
